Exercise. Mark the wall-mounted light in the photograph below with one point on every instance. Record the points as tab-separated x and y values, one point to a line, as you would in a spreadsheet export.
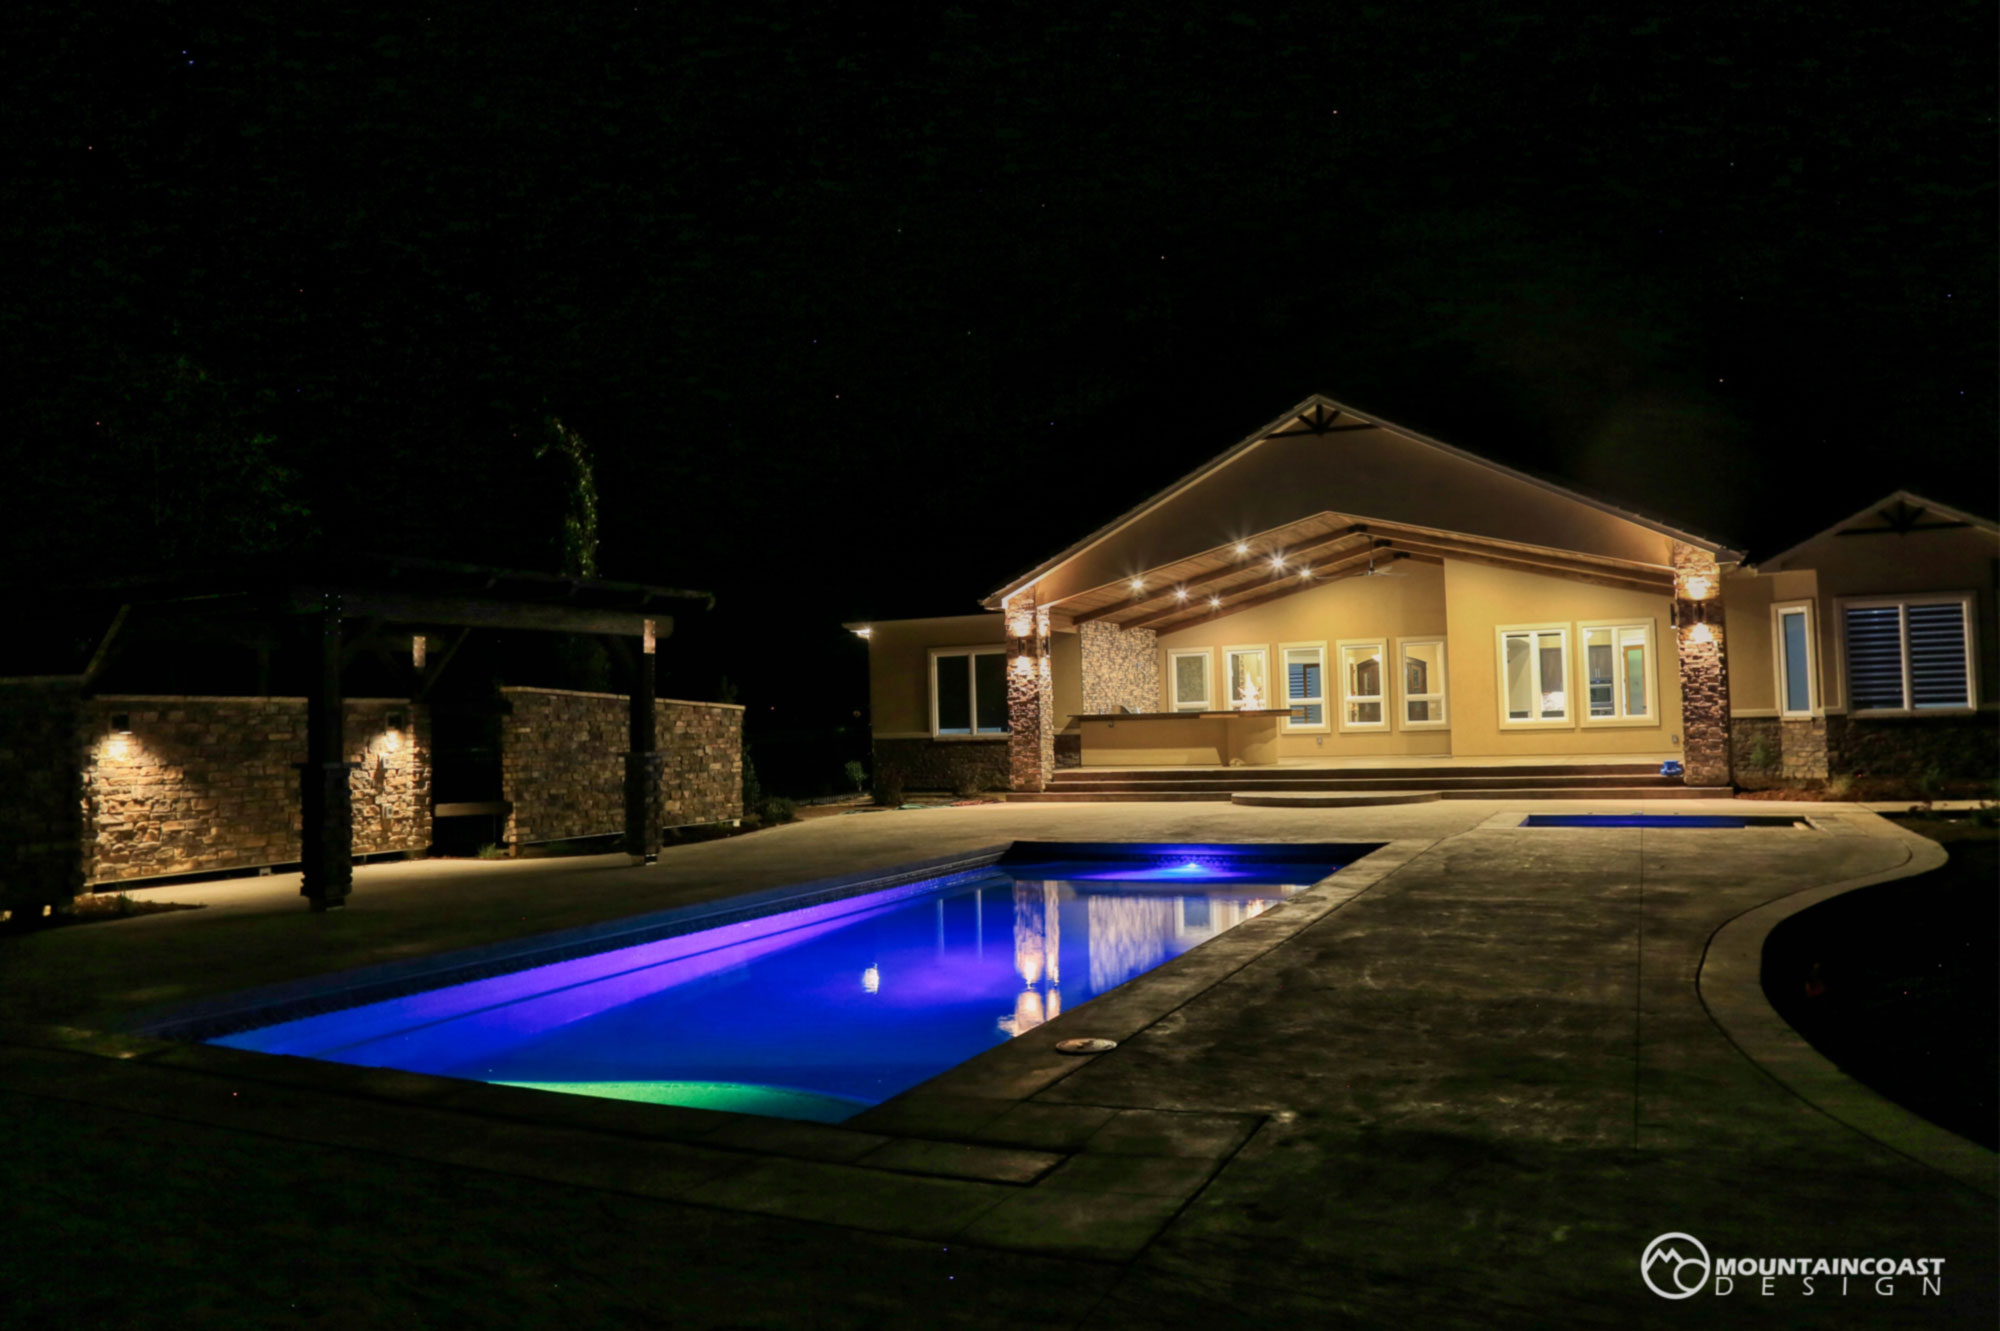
419	649
649	638
1702	633
121	723
864	632
1698	587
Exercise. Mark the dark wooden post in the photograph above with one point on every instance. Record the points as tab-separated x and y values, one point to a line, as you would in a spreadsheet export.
642	762
325	802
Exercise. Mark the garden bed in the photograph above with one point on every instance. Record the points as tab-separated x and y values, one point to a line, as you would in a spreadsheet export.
1897	983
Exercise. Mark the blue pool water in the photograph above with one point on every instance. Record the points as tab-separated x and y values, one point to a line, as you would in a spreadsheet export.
1656	820
819	1012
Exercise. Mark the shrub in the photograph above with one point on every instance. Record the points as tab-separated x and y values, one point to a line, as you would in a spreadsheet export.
753	789
857	775
888	790
1760	755
489	851
969	786
1839	786
777	809
1930	785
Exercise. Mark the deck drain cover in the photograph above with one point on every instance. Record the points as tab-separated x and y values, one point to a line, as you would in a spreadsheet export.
1091	1046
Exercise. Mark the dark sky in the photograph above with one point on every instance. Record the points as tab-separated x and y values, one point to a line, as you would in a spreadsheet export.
863	311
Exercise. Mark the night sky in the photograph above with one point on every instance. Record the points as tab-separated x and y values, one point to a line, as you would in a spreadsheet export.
863	311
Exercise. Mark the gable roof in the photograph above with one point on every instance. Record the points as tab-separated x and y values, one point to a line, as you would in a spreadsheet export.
1899	511
1317	415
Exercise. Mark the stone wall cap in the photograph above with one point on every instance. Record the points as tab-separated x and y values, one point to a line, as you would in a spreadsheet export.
617	697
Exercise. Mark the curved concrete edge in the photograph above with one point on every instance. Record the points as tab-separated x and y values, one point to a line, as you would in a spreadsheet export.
1730	985
1279	799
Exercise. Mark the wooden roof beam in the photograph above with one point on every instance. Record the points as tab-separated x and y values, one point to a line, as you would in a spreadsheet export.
1274	585
1351	568
1600	577
1244	563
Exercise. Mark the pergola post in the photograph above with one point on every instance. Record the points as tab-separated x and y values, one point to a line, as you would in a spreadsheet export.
1704	666
643	761
325	800
1031	737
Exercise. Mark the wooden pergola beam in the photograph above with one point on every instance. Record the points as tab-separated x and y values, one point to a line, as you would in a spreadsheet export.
1509	549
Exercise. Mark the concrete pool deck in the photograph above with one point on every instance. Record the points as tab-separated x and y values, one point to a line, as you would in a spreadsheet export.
1462	1083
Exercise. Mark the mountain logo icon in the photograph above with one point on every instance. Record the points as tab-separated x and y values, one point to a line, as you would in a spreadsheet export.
1675	1266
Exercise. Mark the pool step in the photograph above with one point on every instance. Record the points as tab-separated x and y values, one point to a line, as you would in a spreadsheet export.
1331	799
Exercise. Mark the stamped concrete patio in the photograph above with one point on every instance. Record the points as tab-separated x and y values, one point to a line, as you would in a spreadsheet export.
1463	1082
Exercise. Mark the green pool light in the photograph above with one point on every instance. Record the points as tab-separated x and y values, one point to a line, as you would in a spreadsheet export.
732	1096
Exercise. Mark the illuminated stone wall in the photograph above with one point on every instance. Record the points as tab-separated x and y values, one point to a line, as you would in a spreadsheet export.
1771	752
213	783
1031	739
1957	747
1704	667
41	826
1121	668
562	763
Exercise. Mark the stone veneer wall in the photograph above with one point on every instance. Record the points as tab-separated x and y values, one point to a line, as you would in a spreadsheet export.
1121	668
562	762
213	783
1704	670
1794	752
41	823
948	765
1959	746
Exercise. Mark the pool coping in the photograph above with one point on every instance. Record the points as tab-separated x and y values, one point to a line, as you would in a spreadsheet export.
1730	986
965	1156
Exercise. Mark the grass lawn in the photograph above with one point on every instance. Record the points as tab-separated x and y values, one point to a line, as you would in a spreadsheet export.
1897	983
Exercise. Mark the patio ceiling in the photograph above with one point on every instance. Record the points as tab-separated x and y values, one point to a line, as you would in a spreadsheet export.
1312	552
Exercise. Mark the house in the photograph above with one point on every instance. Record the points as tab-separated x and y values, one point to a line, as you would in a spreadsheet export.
1337	591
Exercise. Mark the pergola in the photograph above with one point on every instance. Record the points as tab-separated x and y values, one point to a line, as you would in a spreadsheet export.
389	607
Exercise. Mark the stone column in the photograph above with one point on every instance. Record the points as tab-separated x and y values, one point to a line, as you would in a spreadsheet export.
644	764
1031	707
326	799
1704	666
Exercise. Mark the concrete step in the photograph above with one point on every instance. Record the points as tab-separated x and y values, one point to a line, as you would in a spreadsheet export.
1137	784
1618	793
1280	773
1117	797
1315	799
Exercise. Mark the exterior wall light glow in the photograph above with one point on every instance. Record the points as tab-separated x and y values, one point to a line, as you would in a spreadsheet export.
864	633
419	648
1698	588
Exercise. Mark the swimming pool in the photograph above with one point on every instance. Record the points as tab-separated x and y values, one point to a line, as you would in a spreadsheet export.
820	1011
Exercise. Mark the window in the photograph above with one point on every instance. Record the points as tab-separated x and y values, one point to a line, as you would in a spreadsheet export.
1913	654
1187	678
1248	670
1362	704
1618	673
1798	688
1421	674
1534	675
1305	685
968	691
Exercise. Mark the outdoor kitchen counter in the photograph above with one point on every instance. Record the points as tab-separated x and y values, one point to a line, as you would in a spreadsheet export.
1194	739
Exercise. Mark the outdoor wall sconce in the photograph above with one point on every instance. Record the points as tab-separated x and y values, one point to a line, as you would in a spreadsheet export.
121	723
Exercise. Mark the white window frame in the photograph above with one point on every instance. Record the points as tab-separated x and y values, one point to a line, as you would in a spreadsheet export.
1968	606
1404	697
1814	705
1620	717
1385	698
1285	670
1174	703
1538	721
1263	649
972	685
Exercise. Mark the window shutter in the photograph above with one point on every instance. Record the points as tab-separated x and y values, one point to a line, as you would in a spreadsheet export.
1875	657
1937	656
